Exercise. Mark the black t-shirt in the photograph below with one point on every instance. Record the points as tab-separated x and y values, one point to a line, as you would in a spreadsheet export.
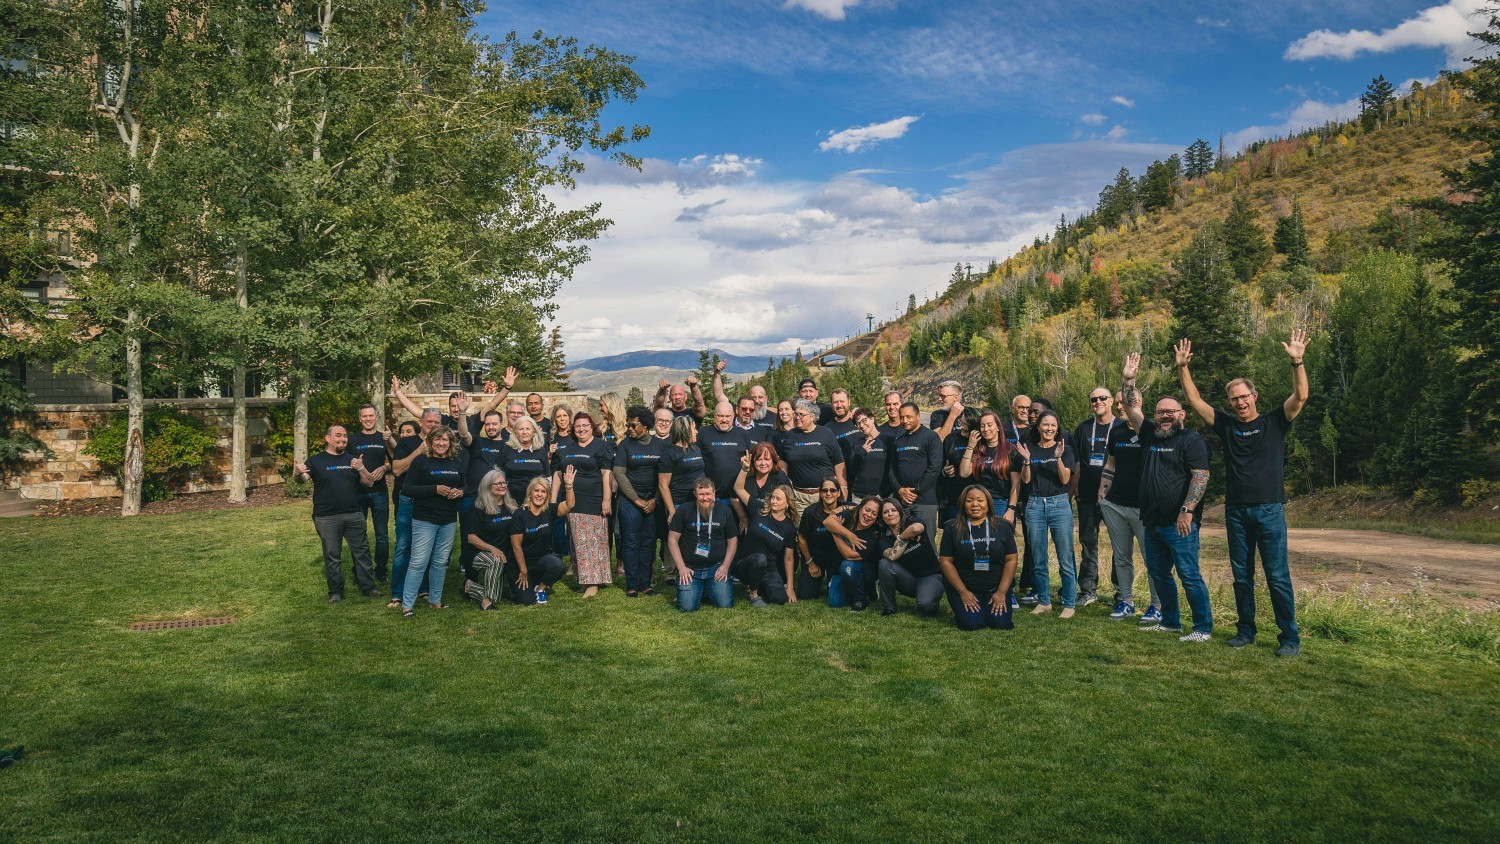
535	530
759	431
423	478
1045	478
494	528
895	430
370	448
404	448
592	462
919	559
871	536
713	532
819	540
1014	433
685	466
1092	441
868	464
522	467
919	463
484	455
987	470
810	456
1254	456
845	434
758	490
721	456
640	460
825	413
768	536
1166	471
968	545
1125	447
690	412
949	486
474	423
336	486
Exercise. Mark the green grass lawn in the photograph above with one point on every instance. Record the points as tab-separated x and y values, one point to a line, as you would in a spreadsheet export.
622	720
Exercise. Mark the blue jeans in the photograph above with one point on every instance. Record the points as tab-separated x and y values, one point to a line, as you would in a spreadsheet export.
377	504
1051	514
982	617
856	582
431	546
1164	550
403	550
720	592
1262	528
637	542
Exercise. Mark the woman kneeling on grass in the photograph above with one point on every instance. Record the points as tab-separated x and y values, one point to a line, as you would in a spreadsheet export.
533	567
860	550
978	558
702	539
909	563
493	509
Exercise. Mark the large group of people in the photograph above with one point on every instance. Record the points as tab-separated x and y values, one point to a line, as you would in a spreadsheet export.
802	500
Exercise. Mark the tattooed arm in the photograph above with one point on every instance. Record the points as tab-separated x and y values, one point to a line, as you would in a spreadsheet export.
1196	487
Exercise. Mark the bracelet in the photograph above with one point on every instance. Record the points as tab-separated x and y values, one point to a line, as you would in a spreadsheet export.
1296	363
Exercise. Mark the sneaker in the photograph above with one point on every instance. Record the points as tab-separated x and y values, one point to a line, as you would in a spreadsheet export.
335	598
541	595
1030	598
885	611
1088	599
1240	640
1151	616
1014	604
758	601
1123	610
1196	636
858	606
1161	628
1289	649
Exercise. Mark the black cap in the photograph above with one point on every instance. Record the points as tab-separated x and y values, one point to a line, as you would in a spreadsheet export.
807	382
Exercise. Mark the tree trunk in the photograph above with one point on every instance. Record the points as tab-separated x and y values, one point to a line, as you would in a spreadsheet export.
377	390
301	389
238	480
134	470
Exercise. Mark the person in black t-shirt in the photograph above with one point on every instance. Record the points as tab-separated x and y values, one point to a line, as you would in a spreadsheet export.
917	466
820	556
765	562
807	390
702	539
978	560
637	461
758	476
489	536
674	397
908	562
485	452
869	456
1174	477
811	453
842	425
722	446
1255	490
681	466
1091	438
338	483
435	484
1047	468
407	449
533	565
1119	503
892	424
859	545
372	446
534	409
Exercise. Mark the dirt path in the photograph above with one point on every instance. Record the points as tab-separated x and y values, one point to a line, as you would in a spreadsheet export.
1466	571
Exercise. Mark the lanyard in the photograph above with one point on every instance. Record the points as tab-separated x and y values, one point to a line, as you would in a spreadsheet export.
698	524
988	539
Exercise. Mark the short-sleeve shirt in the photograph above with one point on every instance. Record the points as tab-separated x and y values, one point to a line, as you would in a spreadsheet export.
1046	480
712	533
404	448
722	451
494	528
1092	441
522	467
684	466
810	456
986	469
370	448
819	540
1125	447
919	559
1254	456
336	486
758	490
535	530
590	461
1166	473
484	455
966	544
769	536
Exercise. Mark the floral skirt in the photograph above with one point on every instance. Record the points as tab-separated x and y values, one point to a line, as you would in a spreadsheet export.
590	548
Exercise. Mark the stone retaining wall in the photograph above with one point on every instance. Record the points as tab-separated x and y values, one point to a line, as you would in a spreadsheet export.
69	473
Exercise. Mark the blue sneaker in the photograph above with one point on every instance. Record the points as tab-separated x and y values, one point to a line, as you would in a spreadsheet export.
1151	616
541	595
1123	610
1014	604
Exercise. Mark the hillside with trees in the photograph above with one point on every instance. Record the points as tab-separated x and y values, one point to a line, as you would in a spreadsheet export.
1377	235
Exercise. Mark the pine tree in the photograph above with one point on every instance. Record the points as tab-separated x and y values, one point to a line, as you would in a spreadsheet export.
557	360
1117	201
1375	103
635	398
1245	240
1290	239
958	280
1198	159
911	304
1159	185
530	353
1203	308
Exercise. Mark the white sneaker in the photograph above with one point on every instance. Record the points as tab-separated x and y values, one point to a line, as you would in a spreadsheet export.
1196	636
1160	628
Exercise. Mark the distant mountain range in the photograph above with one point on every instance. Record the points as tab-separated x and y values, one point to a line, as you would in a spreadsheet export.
677	359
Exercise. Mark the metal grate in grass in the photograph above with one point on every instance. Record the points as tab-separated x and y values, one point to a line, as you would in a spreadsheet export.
180	624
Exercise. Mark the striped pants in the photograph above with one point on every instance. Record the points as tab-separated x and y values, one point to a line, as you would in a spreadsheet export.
489	582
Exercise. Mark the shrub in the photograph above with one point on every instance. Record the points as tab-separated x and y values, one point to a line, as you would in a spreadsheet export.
177	446
332	404
15	443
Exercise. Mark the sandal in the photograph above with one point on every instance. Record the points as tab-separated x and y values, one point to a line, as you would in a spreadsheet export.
395	604
649	592
407	613
632	593
438	606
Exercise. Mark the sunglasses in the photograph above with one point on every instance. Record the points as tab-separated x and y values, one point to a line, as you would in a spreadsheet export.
827	491
1098	399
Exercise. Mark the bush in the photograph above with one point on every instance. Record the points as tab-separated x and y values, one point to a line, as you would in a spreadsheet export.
332	404
15	443
177	446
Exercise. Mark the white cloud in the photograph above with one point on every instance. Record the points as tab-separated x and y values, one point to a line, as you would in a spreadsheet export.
831	9
1092	119
630	329
1117	133
857	138
1122	101
1446	26
1305	115
688	174
1216	23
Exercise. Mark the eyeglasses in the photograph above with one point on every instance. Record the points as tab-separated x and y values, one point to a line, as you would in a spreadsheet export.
1245	397
827	490
1098	399
1020	407
1168	412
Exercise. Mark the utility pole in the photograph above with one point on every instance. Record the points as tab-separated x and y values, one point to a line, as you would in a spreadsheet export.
870	319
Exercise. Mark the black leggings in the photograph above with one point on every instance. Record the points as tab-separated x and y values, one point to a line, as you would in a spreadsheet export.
757	572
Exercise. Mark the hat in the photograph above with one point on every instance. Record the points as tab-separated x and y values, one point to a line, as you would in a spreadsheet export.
807	382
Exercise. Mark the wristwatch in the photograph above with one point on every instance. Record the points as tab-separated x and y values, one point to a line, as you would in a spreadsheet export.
1187	509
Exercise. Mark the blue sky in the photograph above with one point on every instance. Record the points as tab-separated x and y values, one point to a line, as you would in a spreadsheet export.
814	160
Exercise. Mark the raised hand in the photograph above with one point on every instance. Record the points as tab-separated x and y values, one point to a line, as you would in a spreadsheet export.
690	381
1059	452
719	367
491	387
1296	345
664	384
395	385
745	461
1022	450
1183	353
1132	366
463	402
510	377
569	474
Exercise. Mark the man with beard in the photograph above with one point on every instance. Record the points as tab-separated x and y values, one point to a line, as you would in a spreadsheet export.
1091	438
751	412
338	515
842	424
1174	476
1255	493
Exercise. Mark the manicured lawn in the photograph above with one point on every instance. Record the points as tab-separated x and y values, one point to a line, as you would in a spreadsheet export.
621	720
